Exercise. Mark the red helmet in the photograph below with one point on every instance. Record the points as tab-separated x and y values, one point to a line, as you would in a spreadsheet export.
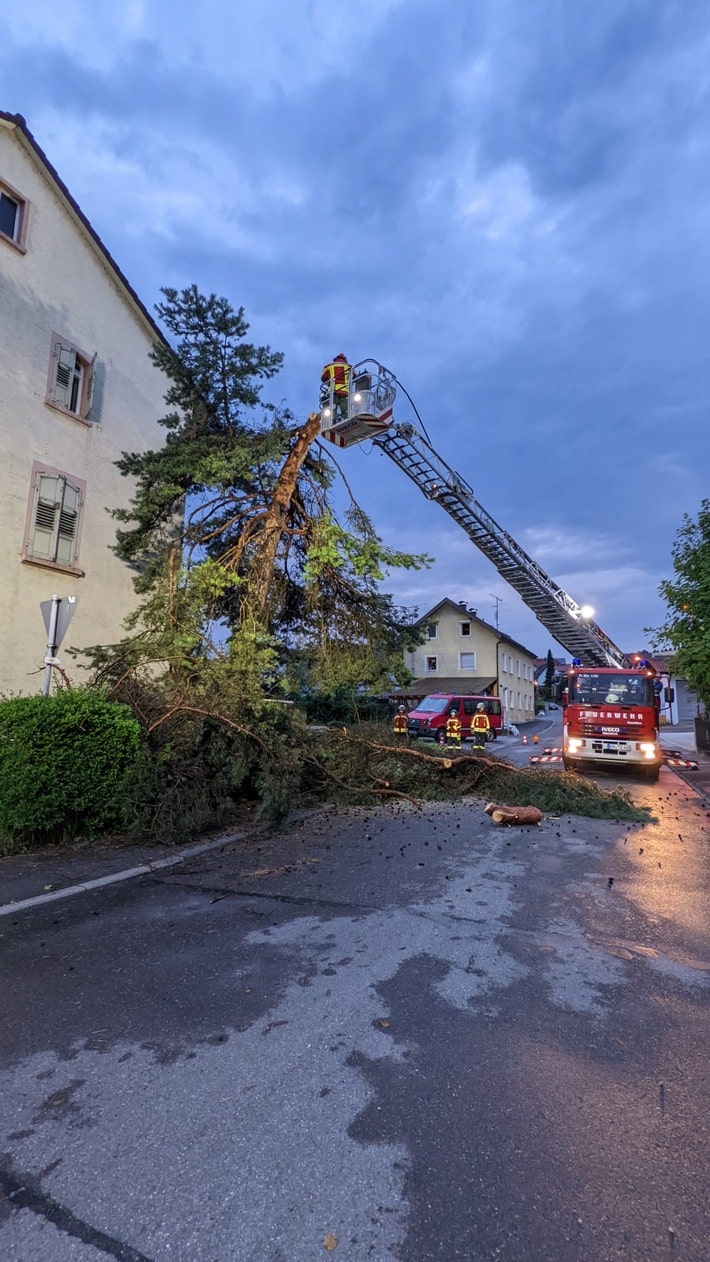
340	356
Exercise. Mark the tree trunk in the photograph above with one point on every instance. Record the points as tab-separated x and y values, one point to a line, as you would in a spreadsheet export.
262	572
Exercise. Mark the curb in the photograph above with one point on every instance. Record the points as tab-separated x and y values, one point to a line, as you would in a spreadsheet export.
128	874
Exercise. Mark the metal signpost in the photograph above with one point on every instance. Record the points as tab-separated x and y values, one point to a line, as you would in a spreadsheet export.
57	613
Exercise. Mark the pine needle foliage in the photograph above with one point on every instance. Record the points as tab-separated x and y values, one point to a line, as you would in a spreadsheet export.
233	531
359	765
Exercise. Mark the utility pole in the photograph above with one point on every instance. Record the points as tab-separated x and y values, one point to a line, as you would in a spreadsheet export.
499	601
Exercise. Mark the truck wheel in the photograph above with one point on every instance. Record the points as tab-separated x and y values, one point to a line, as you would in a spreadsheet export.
492	734
651	775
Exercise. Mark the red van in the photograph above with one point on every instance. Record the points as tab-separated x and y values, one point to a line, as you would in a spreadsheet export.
428	721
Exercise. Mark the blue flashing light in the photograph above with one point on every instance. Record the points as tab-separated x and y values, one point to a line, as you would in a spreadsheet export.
576	661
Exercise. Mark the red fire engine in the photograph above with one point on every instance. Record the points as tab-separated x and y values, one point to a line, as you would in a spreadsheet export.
611	719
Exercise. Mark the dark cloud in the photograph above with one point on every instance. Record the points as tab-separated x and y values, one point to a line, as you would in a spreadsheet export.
504	202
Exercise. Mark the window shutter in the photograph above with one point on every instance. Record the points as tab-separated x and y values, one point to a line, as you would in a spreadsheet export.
91	368
64	370
67	525
55	523
48	496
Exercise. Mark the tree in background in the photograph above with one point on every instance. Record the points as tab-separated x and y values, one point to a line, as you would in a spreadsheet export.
549	674
686	631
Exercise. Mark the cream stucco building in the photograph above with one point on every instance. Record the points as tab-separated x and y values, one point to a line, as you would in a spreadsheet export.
77	389
464	654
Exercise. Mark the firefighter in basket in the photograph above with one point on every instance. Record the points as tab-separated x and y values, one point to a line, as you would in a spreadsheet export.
453	728
480	728
337	373
399	722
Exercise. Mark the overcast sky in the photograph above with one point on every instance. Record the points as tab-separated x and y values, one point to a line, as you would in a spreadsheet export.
503	201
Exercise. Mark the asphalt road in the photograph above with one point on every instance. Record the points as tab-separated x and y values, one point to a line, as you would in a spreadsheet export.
388	1034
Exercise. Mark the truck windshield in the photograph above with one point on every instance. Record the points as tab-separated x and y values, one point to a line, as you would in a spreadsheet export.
589	688
434	705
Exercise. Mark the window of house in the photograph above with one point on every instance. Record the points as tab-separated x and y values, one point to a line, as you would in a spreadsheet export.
54	518
432	663
431	630
13	216
467	661
70	383
517	667
465	628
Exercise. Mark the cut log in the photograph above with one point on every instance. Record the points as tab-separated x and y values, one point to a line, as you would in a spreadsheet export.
513	814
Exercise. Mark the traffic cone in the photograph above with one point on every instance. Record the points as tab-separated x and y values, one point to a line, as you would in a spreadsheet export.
525	739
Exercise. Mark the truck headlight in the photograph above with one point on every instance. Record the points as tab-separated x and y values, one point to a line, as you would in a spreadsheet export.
648	749
573	744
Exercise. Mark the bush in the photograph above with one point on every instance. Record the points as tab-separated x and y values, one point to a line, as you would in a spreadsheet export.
64	765
343	705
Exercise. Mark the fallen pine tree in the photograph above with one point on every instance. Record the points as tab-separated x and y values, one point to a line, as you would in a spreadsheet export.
354	765
203	767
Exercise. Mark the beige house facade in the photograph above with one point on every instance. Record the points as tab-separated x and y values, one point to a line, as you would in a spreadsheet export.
78	388
463	654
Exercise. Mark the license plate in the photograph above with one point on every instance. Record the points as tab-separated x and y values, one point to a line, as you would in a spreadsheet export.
614	747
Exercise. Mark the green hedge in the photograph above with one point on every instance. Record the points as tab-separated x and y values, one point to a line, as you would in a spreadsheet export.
64	765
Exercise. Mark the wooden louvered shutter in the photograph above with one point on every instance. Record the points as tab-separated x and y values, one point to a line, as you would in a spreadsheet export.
55	521
45	519
67	526
65	366
90	372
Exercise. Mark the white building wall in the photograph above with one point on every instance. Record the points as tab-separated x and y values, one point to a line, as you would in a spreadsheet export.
62	285
516	686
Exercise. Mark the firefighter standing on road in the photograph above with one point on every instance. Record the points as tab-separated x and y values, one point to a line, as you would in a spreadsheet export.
399	722
480	728
336	372
453	728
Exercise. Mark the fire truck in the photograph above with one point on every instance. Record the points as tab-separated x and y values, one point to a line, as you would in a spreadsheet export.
597	731
611	719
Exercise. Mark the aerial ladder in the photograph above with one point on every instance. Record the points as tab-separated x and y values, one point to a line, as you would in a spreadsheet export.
368	413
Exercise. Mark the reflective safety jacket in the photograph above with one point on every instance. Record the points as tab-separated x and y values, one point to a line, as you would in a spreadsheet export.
481	722
339	374
453	728
399	723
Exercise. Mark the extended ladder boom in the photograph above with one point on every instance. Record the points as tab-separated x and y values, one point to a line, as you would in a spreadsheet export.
553	607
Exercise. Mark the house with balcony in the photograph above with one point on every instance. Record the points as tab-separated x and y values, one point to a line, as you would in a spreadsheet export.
464	654
78	389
